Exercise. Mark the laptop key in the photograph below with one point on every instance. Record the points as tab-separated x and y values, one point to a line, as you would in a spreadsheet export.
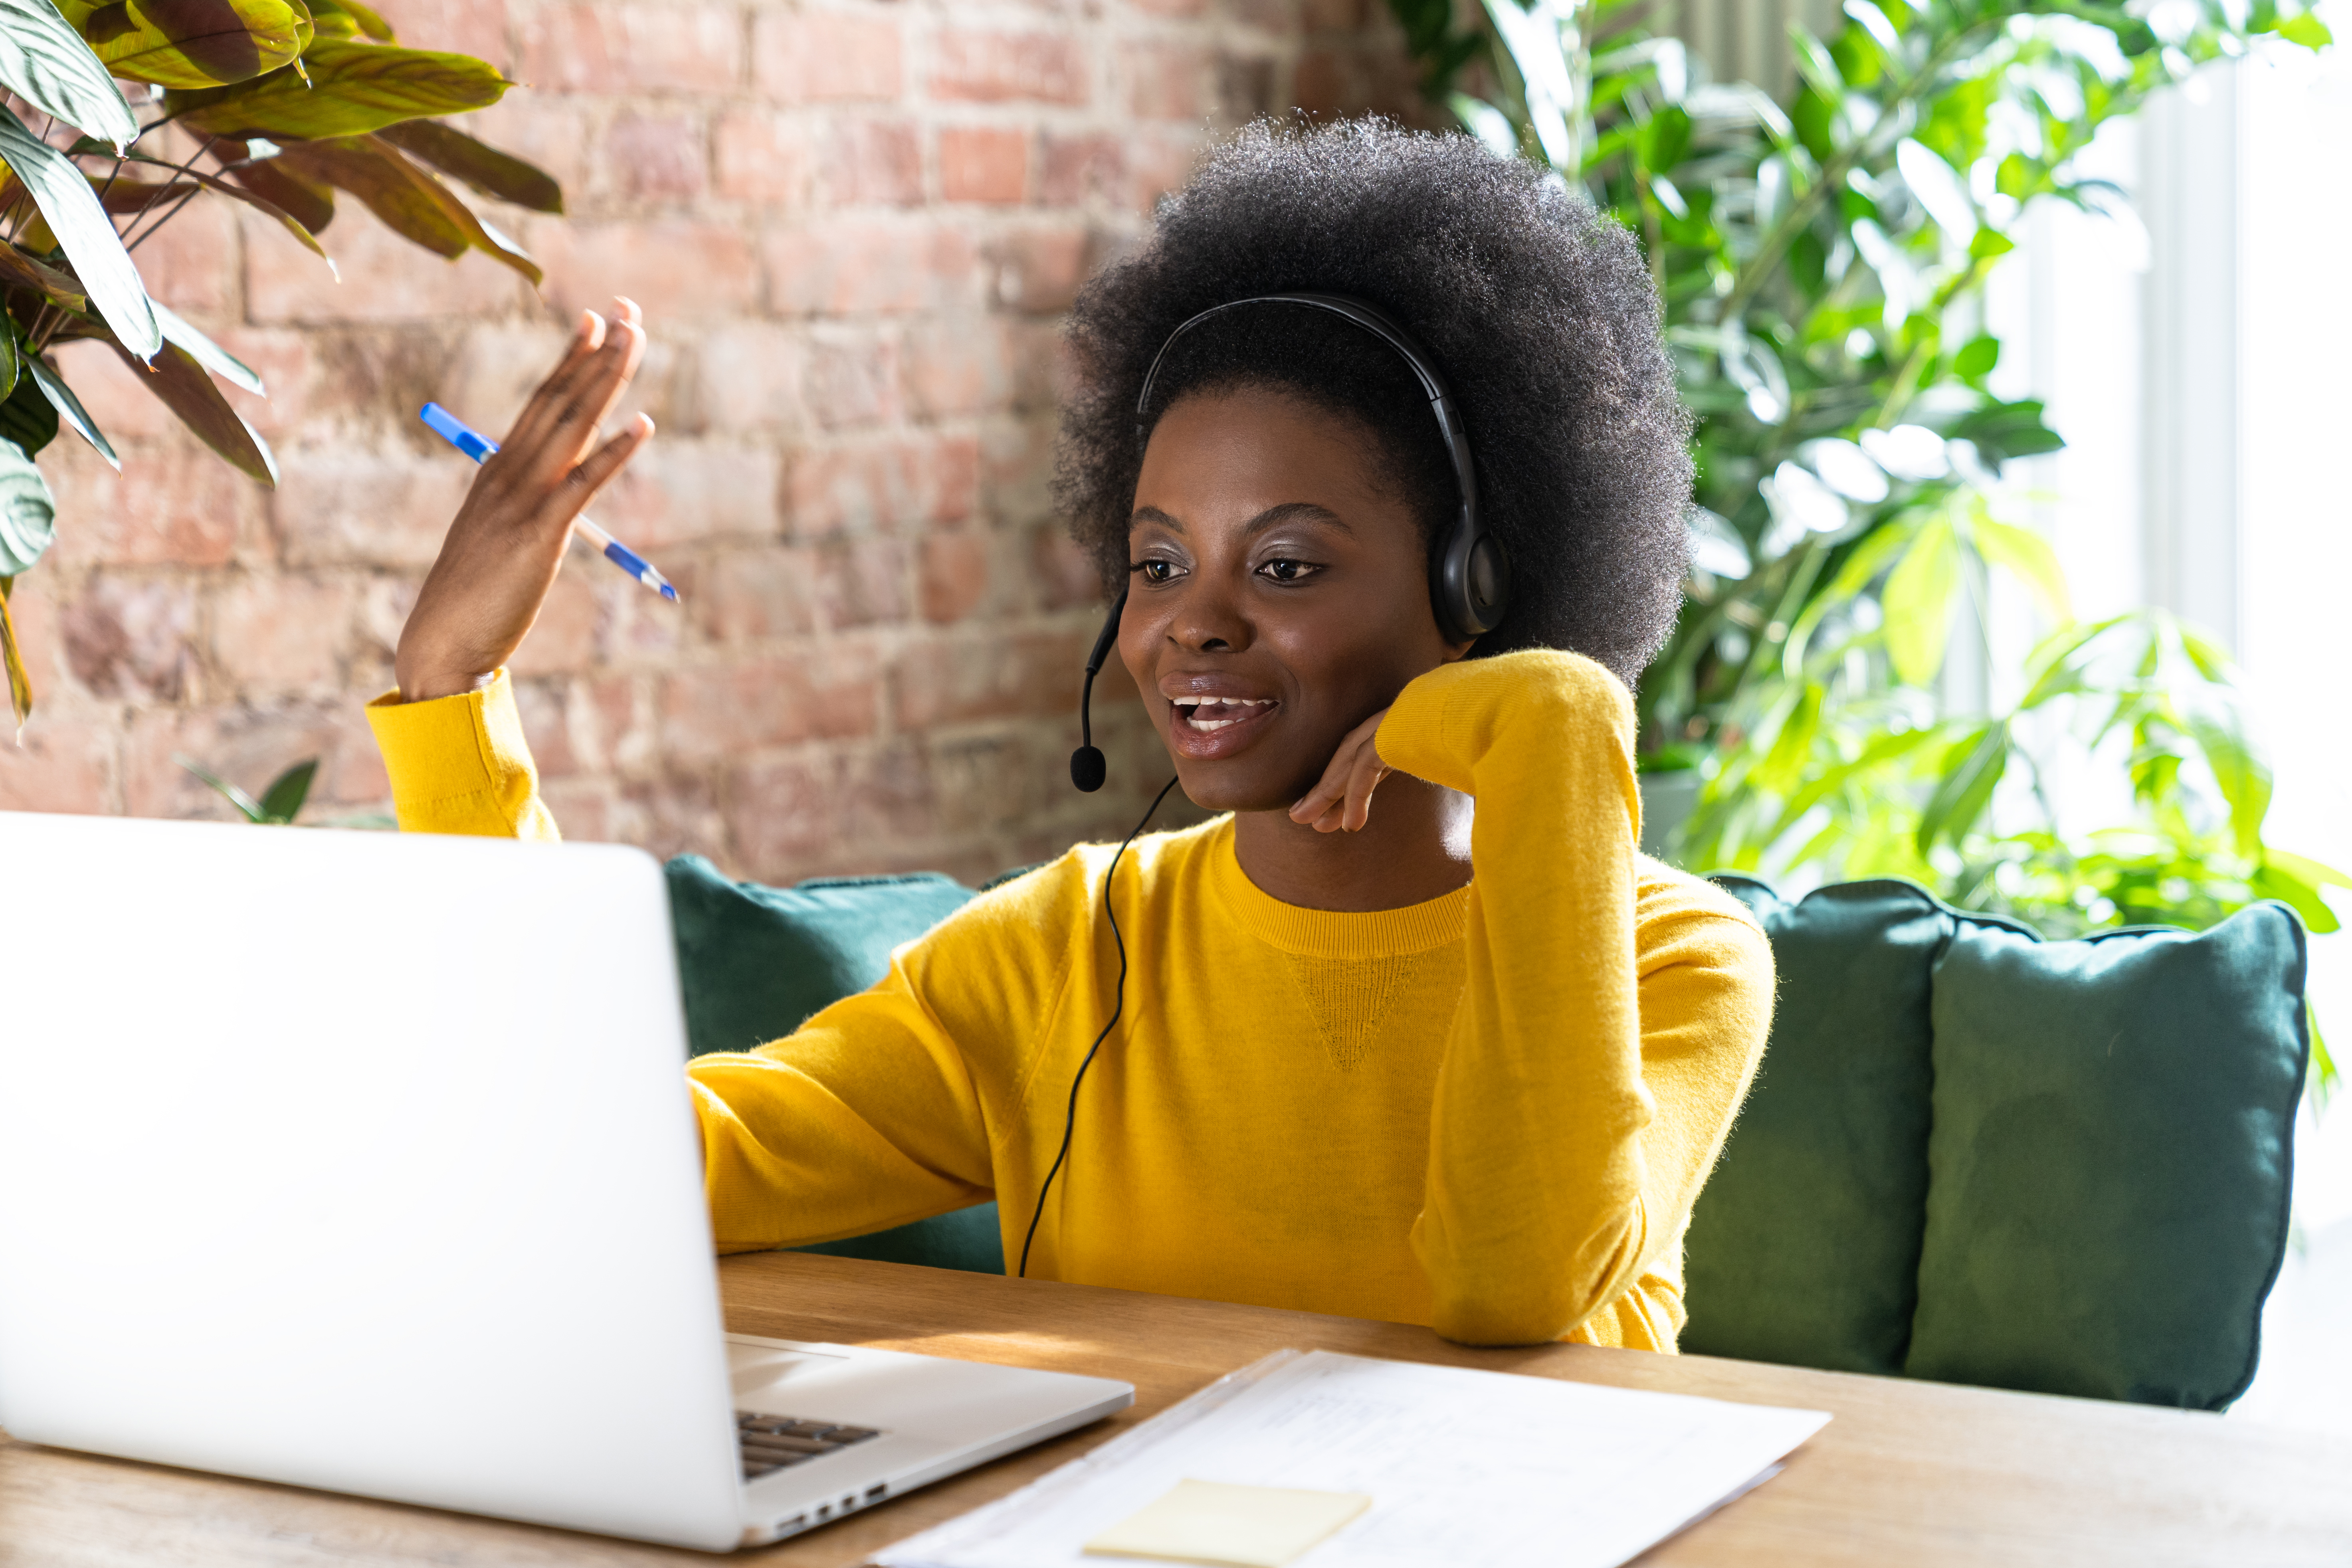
851	1434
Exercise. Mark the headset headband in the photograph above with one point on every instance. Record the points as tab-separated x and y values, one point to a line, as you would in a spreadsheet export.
1371	318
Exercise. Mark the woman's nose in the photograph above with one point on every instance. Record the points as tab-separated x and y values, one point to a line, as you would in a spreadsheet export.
1208	619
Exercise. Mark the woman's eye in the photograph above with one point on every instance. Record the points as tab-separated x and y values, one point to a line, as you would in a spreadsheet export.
1285	570
1154	571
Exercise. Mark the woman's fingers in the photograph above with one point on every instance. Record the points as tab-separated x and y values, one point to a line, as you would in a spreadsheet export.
531	427
1342	798
581	485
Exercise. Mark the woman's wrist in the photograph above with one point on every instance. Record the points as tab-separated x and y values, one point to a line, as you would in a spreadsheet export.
429	685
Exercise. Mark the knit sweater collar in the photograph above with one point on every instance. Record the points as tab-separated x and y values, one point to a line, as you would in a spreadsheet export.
1328	933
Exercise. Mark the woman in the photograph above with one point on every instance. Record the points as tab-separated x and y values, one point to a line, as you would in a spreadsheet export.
1461	1059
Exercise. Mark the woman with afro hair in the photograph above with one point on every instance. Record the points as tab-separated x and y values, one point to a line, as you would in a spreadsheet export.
1459	1054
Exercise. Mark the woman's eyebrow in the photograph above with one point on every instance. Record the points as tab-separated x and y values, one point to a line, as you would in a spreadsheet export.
1272	517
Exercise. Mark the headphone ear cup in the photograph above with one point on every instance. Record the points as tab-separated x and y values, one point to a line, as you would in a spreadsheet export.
1473	583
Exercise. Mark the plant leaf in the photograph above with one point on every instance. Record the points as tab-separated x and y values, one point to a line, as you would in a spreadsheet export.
1966	788
354	89
2029	556
408	200
70	409
311	205
208	354
28	512
1918	603
494	173
177	378
20	682
27	417
2244	778
22	271
44	61
227	790
258	203
286	792
349	19
59	189
2274	881
193	43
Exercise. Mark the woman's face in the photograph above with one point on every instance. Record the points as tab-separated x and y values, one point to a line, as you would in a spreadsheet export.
1278	595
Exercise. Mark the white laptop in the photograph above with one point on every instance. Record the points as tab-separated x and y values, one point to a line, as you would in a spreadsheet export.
365	1162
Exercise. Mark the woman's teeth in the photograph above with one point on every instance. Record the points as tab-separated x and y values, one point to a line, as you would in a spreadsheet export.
1216	713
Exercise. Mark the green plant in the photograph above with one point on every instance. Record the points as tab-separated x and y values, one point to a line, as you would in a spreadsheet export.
1821	263
289	103
278	804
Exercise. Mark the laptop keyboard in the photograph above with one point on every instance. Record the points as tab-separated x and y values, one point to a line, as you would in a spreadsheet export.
770	1443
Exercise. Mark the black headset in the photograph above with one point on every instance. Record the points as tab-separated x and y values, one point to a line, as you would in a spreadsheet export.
1469	585
1469	575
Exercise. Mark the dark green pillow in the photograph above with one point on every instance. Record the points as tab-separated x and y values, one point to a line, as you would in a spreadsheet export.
1804	1245
2107	1204
755	962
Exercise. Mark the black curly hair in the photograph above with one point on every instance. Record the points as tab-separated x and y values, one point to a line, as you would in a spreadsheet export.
1537	310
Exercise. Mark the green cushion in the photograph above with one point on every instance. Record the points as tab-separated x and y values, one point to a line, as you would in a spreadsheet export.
2109	1167
755	962
1804	1245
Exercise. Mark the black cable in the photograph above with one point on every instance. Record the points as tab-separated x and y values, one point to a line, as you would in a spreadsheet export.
1070	1122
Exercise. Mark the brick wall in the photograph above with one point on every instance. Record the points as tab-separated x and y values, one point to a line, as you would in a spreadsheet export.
852	227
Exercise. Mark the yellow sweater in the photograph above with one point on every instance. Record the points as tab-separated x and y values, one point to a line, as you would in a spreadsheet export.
1489	1113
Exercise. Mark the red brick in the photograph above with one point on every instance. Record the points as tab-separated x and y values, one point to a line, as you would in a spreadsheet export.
1279	18
278	633
956	366
854	380
746	376
247	745
983	164
682	490
828	693
668	815
281	356
618	49
383	278
564	640
1164	82
1334	16
782	813
762	156
889	789
1065	573
582	808
554	132
850	266
59	764
756	595
190	263
118	402
826	56
658	157
546	720
131	638
492	375
339	507
1004	68
672	267
860	581
869	162
955	576
1038	268
1172	8
887	483
476	27
949	681
1246	86
171	505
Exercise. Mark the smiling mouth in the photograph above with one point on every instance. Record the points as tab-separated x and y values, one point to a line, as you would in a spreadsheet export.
1207	715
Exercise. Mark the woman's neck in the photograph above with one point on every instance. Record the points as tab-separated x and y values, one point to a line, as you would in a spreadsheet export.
1415	847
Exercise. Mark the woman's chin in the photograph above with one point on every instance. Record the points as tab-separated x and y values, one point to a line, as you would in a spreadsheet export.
1241	783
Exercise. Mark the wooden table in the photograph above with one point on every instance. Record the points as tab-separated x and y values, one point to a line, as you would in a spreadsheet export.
1909	1475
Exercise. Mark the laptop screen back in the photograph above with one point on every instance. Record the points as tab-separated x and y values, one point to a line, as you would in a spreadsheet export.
362	1162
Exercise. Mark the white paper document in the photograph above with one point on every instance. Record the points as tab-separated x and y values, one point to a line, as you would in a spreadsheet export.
1461	1466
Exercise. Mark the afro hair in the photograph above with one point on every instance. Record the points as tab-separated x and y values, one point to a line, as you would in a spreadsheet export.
1537	310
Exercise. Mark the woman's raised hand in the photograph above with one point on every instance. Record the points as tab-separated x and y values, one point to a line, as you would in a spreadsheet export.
1341	799
501	554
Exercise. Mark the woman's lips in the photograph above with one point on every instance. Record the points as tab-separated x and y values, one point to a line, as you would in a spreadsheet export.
1212	727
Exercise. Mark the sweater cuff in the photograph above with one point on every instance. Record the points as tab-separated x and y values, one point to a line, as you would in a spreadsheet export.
456	763
1412	739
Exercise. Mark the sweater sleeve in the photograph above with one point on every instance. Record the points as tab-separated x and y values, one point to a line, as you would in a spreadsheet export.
460	764
887	1107
1600	1049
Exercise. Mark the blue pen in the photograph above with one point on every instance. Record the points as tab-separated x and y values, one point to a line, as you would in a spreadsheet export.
476	446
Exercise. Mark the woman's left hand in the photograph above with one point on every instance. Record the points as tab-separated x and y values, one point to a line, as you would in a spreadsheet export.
1341	801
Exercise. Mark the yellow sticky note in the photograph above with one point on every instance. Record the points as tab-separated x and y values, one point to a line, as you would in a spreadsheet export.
1245	1527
